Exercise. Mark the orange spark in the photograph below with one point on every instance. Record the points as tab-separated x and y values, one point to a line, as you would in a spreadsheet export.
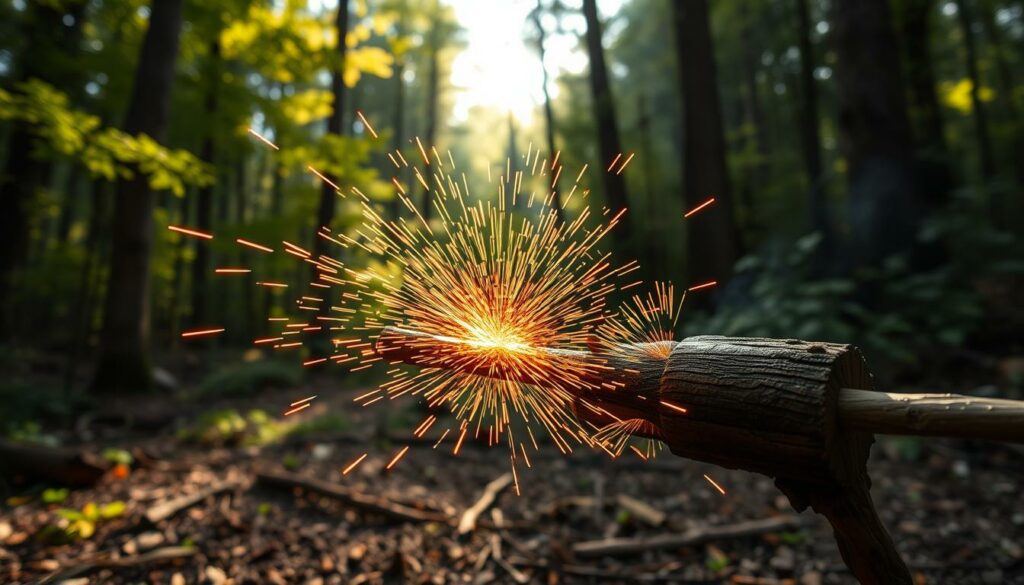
232	270
624	163
201	332
674	407
705	285
615	160
397	456
303	401
699	207
190	232
354	464
263	138
366	123
298	408
715	484
254	245
314	361
323	178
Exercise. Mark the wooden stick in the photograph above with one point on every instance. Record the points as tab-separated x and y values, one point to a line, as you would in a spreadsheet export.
945	415
374	504
161	512
639	371
468	521
161	555
628	546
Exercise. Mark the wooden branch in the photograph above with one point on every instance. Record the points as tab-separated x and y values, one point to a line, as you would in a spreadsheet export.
161	555
65	466
468	521
172	507
945	415
374	504
628	546
640	510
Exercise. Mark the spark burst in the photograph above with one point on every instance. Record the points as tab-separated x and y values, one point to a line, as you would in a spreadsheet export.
504	279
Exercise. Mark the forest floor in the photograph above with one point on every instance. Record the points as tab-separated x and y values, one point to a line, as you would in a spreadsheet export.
955	509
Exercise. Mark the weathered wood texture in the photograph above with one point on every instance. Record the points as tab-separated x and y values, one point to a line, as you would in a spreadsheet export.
943	415
769	405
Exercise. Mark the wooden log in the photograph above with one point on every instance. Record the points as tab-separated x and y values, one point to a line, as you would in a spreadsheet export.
68	467
172	507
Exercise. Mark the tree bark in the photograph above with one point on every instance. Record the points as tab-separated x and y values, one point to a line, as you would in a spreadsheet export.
712	239
204	209
884	213
325	213
609	145
124	345
433	89
549	114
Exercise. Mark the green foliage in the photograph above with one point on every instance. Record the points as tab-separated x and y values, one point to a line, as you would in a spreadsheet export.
82	524
332	422
900	326
54	495
118	456
228	426
247	378
106	152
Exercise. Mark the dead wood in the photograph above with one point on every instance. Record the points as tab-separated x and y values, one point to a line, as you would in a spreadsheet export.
65	466
626	546
374	504
161	512
160	555
640	510
468	521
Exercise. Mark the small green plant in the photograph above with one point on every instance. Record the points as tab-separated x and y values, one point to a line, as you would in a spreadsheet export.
54	495
81	524
228	426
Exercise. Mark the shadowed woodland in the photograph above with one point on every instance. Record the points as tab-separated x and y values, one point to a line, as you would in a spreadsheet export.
865	160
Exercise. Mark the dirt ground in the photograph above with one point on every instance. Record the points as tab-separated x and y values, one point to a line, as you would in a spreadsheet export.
954	508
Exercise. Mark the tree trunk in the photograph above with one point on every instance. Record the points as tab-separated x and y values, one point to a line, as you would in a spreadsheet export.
549	115
821	220
398	124
325	213
204	210
22	173
607	127
985	155
1006	80
124	344
875	137
433	89
924	102
712	239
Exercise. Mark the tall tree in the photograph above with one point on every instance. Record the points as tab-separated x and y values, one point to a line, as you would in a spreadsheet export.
123	363
712	239
549	115
608	141
809	132
434	41
48	44
926	113
875	133
981	130
204	211
335	122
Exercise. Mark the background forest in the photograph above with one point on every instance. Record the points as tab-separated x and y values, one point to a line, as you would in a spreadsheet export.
865	157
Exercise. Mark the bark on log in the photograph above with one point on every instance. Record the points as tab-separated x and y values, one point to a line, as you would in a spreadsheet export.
65	466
